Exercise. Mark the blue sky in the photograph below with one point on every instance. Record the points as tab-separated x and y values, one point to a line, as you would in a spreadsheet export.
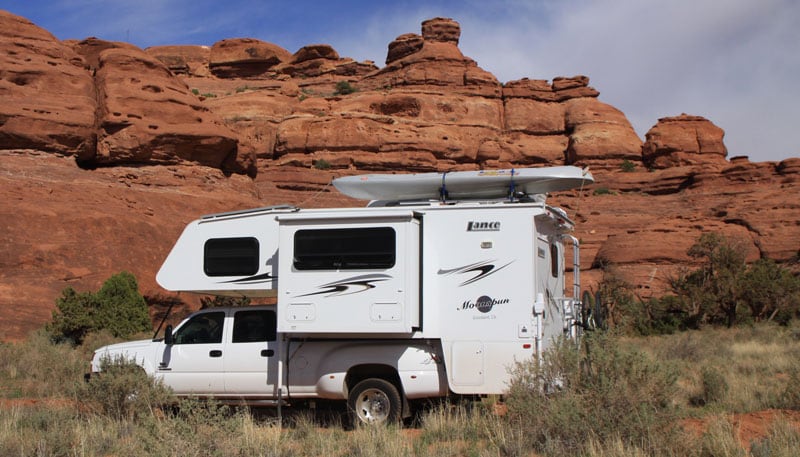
736	62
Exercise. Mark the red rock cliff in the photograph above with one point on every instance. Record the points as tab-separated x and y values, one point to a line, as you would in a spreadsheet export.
106	151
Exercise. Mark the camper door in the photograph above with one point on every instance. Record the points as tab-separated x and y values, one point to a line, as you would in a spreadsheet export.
356	275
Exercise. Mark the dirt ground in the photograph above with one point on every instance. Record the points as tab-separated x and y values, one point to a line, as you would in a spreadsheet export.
749	427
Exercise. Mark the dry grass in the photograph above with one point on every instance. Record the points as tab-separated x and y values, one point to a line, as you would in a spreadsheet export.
734	370
45	409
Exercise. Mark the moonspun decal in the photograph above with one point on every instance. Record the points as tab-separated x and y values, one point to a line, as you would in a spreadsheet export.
349	286
481	270
257	279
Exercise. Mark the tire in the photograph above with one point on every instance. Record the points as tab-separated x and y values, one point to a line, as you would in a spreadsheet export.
374	401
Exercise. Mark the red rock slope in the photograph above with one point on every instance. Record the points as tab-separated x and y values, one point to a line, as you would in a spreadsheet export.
106	151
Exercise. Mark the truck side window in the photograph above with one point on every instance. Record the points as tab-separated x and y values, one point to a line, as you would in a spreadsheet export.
203	328
254	326
345	249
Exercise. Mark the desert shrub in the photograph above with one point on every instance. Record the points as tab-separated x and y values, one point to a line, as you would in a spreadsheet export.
38	367
715	386
790	398
725	290
122	390
322	164
627	166
117	307
604	392
770	291
603	191
344	88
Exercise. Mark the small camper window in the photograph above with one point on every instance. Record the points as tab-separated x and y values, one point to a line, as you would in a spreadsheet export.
345	249
554	260
231	257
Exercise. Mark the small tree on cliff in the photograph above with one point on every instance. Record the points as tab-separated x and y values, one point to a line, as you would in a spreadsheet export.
117	307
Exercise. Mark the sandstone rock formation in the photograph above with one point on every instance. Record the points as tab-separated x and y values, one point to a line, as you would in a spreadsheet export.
146	115
173	132
684	140
48	96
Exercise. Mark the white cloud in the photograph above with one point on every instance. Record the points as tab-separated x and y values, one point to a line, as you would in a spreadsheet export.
733	62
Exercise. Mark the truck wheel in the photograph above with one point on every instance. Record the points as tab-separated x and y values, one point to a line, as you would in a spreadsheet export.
374	401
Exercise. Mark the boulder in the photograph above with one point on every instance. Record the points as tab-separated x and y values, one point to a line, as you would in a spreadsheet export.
562	89
684	140
245	58
147	116
433	59
403	46
441	29
48	95
598	132
184	60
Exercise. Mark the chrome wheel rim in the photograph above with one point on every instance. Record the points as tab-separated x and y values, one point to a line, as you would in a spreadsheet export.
373	406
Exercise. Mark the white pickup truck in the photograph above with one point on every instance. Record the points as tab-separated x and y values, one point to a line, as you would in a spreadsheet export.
236	356
440	290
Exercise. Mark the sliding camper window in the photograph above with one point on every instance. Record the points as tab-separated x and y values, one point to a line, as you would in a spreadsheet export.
345	249
230	257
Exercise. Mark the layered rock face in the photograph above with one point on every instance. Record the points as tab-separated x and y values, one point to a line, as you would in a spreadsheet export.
107	151
47	91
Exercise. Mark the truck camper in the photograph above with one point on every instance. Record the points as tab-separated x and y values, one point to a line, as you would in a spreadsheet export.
437	287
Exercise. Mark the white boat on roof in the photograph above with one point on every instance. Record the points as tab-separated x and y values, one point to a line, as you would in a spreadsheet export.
463	184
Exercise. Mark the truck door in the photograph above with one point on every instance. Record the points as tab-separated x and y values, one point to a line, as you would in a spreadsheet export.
193	364
251	356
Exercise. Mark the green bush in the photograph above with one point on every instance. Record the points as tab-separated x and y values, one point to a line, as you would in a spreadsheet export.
627	166
603	191
322	164
117	307
725	290
344	88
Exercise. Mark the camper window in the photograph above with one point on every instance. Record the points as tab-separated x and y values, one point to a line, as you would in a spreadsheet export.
230	257
555	256
345	249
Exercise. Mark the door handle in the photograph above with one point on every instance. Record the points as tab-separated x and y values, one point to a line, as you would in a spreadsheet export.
267	353
215	353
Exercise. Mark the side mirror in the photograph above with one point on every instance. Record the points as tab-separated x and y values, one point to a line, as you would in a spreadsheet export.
168	338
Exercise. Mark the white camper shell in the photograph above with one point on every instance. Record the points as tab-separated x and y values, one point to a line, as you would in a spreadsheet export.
465	270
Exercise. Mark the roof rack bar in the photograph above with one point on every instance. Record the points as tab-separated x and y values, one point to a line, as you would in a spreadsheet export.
263	209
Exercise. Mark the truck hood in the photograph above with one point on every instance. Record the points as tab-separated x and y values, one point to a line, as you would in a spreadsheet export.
123	347
136	351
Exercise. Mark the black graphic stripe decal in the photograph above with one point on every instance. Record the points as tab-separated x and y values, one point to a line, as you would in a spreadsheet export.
349	286
480	269
257	279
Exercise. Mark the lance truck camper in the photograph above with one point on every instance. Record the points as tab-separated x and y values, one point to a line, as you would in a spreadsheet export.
435	288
